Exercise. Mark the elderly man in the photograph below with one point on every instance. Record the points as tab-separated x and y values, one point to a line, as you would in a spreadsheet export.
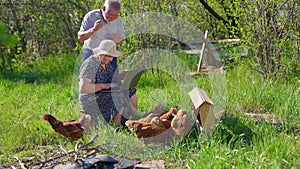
100	24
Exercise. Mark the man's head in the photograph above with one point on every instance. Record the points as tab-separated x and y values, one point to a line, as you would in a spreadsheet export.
111	10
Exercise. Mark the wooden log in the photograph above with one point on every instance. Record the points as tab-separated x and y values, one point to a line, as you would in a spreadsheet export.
215	41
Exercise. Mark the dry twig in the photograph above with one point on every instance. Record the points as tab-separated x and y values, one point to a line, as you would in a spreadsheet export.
20	162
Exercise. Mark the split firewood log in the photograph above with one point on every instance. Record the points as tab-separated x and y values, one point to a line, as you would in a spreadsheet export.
181	124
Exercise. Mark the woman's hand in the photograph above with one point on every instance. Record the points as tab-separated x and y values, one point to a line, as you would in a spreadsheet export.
123	74
85	86
110	85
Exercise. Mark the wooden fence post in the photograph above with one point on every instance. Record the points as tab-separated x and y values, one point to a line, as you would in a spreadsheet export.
202	51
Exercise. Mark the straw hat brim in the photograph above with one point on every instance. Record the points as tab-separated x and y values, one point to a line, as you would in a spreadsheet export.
113	54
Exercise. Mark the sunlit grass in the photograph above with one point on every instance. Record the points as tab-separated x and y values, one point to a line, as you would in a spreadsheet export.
237	142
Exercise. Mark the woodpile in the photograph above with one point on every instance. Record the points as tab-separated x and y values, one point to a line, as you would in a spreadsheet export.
83	156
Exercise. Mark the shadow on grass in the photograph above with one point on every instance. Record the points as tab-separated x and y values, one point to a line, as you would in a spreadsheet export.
231	130
238	131
54	69
31	77
234	131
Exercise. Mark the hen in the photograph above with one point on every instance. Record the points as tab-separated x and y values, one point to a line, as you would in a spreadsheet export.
158	111
70	129
167	117
145	130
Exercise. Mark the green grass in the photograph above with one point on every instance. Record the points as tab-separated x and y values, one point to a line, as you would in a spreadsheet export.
238	141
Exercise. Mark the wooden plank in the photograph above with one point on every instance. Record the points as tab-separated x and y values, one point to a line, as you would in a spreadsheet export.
202	52
215	41
154	164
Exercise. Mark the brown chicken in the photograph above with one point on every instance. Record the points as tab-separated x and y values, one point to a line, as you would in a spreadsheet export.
158	111
70	129
145	130
167	117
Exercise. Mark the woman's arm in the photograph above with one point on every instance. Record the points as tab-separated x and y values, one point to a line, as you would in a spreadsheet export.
86	86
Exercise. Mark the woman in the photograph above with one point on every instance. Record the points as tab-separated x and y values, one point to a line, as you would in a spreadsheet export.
96	97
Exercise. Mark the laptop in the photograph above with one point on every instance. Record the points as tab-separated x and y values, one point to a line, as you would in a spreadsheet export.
131	80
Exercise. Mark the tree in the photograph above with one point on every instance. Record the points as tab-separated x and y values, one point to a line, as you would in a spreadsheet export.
7	41
42	27
268	30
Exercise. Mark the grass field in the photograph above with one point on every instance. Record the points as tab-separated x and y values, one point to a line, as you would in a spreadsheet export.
238	141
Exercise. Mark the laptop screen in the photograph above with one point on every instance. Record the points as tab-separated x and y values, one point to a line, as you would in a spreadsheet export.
132	78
